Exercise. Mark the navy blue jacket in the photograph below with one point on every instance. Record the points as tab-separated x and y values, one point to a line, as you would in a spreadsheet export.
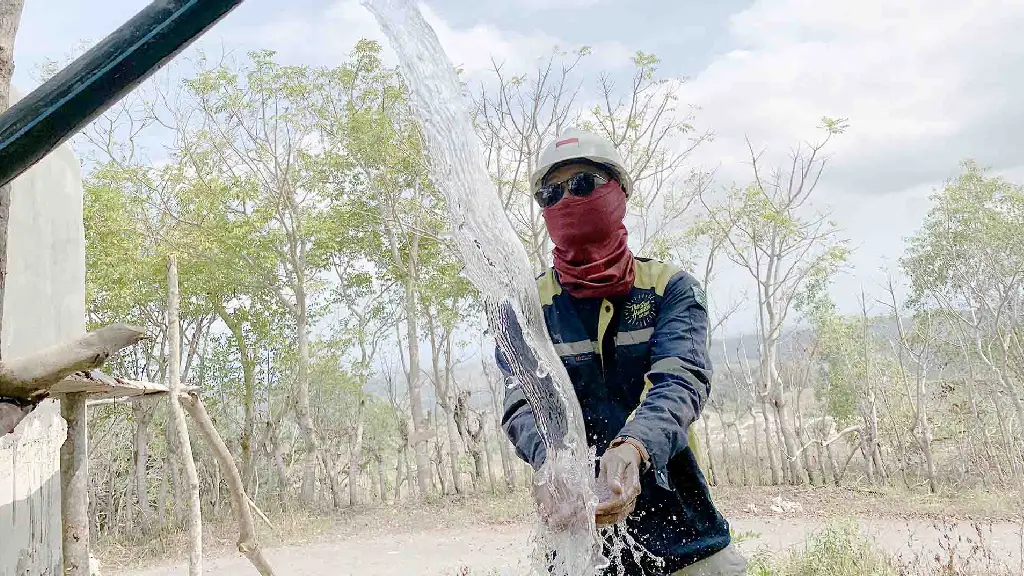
640	369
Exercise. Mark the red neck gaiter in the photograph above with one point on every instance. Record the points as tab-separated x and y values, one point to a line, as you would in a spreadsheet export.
591	253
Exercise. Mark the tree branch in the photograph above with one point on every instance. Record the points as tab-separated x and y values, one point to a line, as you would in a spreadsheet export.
31	377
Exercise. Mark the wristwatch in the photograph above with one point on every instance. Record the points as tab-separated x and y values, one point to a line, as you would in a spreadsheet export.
645	458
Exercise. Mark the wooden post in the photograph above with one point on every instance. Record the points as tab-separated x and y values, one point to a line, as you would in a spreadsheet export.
74	483
195	514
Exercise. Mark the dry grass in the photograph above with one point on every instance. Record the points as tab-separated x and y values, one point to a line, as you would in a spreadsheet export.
960	554
840	549
837	550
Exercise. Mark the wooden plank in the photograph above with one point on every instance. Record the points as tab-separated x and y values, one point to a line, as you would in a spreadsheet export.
100	385
104	400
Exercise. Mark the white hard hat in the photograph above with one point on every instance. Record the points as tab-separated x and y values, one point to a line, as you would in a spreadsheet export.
575	144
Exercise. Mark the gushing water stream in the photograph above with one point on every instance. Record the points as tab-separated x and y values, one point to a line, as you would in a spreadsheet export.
497	264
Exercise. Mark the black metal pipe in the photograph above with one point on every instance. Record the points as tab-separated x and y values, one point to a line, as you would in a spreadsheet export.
62	106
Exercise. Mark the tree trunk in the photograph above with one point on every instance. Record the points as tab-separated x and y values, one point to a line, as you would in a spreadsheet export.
757	447
454	457
495	384
504	446
10	18
282	472
399	475
810	464
867	452
411	475
833	463
491	480
726	474
438	459
127	506
303	412
875	444
1016	452
419	423
142	413
712	468
74	476
820	457
925	434
248	393
979	425
797	472
382	483
1008	443
445	399
773	461
195	519
744	477
479	466
161	511
356	456
215	496
332	478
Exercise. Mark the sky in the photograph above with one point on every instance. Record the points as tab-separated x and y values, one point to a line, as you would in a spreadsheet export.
924	84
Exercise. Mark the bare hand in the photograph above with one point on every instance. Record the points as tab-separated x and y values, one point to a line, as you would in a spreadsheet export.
560	506
619	482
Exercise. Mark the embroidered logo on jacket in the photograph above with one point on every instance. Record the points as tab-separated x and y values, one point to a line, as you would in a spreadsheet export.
640	311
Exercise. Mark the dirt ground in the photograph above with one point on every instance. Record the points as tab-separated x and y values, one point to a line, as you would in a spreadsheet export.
502	549
489	535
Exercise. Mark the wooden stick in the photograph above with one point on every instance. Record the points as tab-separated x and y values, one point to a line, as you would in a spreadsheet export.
247	542
32	376
74	483
261	514
195	514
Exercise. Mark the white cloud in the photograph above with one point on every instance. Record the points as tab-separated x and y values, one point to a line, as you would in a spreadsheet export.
325	37
328	36
914	78
474	48
924	83
546	5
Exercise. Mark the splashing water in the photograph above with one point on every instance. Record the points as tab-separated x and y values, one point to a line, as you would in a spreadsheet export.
497	264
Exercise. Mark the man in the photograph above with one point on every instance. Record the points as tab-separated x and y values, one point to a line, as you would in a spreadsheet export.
631	333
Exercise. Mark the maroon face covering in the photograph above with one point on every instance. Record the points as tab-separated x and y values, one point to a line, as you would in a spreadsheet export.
591	254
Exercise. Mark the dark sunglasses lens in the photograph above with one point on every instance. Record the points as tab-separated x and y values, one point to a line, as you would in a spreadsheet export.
548	195
583	184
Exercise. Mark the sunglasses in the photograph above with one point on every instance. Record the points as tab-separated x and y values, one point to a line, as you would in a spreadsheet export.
581	185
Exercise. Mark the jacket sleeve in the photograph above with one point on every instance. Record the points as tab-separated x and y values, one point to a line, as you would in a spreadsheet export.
679	381
518	420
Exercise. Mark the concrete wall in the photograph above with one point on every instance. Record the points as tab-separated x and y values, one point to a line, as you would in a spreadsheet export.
44	304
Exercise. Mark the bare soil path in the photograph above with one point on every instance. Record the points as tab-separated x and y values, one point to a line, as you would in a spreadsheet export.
502	549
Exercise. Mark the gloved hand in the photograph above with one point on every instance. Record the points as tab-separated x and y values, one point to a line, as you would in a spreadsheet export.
619	483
